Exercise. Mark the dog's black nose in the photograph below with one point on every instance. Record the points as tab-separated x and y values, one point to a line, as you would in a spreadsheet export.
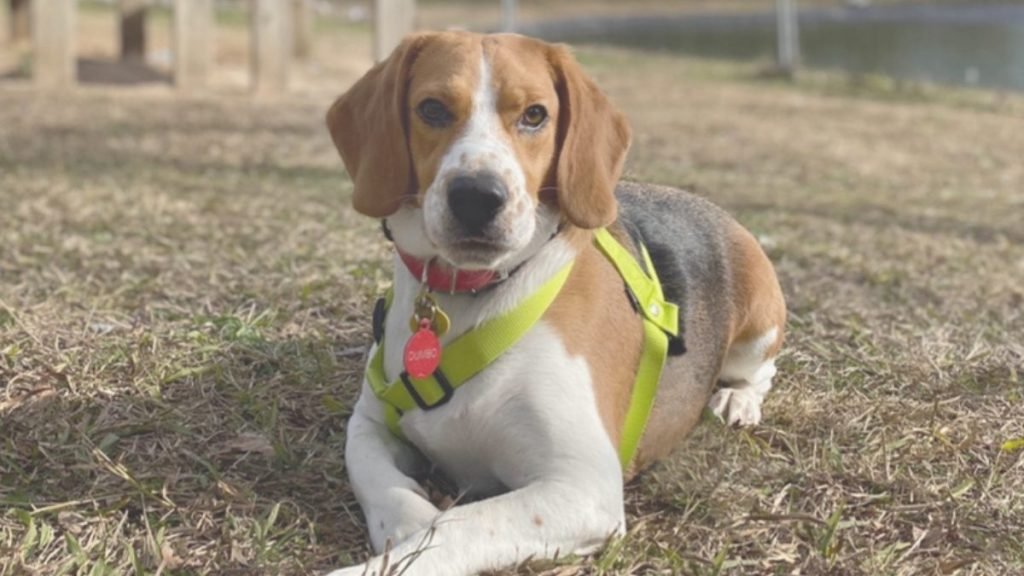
476	199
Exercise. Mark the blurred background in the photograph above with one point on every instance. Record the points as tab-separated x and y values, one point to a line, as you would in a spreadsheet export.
185	291
960	42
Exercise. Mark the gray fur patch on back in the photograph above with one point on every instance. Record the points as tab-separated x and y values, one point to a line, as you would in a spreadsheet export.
685	237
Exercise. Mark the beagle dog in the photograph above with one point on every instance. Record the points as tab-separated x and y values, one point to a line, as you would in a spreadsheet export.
492	159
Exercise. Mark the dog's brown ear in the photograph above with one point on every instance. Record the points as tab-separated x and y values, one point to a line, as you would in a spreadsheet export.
593	138
369	127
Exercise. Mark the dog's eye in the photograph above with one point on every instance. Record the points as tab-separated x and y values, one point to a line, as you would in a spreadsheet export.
435	113
534	117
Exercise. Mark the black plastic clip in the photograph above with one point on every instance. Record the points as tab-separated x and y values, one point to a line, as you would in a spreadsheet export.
380	313
446	387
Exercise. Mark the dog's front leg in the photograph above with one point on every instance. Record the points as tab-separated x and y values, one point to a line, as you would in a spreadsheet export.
545	519
379	465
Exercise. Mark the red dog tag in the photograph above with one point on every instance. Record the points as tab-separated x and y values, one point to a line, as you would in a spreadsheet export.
422	352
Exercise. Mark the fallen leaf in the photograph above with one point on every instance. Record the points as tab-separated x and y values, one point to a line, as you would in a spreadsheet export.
1011	446
248	442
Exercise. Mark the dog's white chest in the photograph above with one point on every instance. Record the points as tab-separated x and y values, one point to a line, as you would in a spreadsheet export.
514	420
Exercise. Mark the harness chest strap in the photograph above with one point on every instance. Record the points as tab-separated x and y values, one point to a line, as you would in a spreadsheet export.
462	359
475	350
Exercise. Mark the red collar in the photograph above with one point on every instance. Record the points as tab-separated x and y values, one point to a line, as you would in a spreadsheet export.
439	277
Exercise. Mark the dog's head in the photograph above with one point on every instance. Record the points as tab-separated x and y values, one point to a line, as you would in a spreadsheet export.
476	147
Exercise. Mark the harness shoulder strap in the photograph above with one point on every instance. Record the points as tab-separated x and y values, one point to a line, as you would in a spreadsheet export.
661	320
646	289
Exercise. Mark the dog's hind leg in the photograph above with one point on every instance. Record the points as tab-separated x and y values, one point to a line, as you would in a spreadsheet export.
759	316
745	380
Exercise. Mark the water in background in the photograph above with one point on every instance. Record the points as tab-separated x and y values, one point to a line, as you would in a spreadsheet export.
976	45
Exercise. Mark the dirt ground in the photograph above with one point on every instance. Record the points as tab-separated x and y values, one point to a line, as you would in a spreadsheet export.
185	296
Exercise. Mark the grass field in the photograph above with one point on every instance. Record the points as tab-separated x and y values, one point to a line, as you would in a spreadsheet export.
185	296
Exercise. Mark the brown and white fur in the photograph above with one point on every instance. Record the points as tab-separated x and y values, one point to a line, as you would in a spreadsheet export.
533	437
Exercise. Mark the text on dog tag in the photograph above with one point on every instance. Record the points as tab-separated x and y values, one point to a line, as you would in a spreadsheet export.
422	351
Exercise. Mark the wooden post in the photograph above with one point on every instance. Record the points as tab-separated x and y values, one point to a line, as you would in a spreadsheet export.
271	45
5	22
193	27
509	9
133	29
53	43
392	20
788	36
302	28
21	20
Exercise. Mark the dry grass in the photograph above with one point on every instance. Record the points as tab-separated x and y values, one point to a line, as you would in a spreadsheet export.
184	298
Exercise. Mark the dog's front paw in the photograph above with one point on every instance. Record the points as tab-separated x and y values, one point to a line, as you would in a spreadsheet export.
408	512
737	406
388	564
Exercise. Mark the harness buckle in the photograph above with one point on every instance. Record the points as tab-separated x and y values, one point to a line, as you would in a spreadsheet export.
442	381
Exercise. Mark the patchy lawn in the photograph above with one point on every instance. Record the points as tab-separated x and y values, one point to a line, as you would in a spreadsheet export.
185	296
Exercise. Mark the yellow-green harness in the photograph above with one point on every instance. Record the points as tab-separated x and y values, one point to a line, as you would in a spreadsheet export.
473	351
